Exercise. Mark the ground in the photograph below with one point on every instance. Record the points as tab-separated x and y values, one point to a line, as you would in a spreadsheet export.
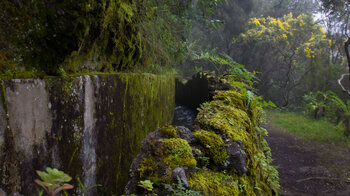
309	168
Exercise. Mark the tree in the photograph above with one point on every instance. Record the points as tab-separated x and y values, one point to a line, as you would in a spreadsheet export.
292	45
340	10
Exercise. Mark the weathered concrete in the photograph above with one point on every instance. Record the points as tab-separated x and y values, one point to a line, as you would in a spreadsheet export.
90	127
3	124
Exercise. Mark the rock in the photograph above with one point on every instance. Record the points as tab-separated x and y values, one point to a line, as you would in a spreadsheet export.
235	158
2	193
186	134
133	173
179	172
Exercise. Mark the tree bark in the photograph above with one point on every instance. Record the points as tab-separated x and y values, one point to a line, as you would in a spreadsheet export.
347	43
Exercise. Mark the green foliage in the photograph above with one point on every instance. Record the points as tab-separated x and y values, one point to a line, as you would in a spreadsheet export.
333	107
146	184
204	106
107	36
316	102
42	33
317	130
286	51
345	111
82	190
226	66
53	181
180	190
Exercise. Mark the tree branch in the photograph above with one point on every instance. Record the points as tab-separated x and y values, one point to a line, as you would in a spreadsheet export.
341	85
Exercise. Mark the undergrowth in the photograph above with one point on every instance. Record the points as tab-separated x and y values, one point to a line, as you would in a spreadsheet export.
321	131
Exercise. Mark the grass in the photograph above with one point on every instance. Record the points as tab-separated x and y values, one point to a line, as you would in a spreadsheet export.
321	131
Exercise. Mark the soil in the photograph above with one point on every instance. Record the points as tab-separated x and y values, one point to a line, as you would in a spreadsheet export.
308	168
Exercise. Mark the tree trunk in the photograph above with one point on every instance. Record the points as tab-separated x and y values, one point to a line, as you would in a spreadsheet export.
347	43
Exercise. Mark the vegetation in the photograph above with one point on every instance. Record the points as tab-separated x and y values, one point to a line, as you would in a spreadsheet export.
294	53
53	181
310	129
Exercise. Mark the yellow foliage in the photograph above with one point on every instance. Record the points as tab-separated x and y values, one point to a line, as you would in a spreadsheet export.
255	21
288	34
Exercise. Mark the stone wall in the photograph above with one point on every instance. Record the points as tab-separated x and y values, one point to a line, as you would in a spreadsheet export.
88	126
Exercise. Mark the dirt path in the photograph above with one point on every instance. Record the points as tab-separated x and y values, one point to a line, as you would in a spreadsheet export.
309	168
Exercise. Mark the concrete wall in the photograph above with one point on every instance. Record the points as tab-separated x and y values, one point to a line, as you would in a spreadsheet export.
88	126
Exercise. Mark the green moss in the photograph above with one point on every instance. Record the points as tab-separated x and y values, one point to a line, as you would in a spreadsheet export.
167	131
165	156
214	183
229	116
178	153
214	145
3	97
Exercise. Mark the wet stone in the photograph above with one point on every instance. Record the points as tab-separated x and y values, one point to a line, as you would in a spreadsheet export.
179	173
236	158
186	134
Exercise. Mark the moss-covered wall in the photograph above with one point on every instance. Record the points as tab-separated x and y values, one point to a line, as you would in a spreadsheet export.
62	123
224	153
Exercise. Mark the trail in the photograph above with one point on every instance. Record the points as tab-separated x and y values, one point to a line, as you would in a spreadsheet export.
308	168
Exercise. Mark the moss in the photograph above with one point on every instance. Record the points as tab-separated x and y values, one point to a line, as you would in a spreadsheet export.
214	145
163	158
3	98
229	116
214	183
168	131
179	153
140	103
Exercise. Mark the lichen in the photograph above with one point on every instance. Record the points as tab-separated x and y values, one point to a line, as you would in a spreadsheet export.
213	144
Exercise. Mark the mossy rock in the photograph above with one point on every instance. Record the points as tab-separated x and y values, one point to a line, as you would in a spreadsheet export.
214	183
213	145
168	131
220	123
163	157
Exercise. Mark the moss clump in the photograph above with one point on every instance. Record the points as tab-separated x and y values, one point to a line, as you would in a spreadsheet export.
214	145
168	131
213	183
164	156
179	153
